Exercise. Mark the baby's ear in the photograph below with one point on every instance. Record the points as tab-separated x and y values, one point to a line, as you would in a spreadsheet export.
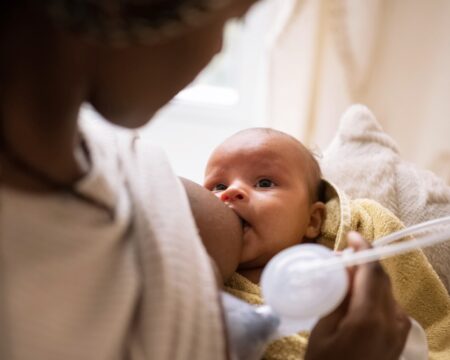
316	219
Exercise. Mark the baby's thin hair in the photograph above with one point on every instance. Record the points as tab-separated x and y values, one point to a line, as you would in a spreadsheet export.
315	183
318	182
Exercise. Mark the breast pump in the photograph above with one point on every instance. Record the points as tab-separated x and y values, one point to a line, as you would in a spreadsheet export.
306	282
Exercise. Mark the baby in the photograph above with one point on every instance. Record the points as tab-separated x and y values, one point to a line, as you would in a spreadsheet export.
274	184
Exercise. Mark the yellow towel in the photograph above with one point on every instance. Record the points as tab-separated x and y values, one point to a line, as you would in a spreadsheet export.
415	284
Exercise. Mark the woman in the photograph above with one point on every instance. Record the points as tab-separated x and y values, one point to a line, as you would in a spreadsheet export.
100	256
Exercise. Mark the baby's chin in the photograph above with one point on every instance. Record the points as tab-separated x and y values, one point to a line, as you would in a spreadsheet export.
246	227
251	261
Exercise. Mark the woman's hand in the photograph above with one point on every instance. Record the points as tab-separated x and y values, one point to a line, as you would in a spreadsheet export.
369	324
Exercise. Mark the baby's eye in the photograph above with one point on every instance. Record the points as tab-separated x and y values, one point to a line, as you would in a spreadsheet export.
264	183
219	187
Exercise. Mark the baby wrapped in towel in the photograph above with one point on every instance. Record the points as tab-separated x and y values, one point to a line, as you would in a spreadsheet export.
274	184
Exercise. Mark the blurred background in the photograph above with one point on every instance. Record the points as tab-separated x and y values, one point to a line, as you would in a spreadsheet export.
296	65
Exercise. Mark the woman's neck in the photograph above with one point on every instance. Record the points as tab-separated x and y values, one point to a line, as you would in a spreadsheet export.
43	86
30	147
38	128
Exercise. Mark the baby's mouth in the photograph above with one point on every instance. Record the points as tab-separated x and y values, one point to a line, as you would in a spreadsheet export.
245	225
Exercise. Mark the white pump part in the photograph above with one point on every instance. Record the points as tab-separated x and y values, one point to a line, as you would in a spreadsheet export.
297	299
306	282
300	298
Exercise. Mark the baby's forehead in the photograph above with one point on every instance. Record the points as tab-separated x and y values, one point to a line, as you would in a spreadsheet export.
257	151
260	144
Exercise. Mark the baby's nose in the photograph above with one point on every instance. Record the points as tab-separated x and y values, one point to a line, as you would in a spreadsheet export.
232	194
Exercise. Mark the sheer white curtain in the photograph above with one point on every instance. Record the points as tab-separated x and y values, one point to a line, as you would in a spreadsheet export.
392	55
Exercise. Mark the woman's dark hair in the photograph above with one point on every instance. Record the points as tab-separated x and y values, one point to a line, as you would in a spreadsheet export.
122	21
6	7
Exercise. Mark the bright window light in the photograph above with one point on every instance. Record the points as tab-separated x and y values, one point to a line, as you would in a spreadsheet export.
202	94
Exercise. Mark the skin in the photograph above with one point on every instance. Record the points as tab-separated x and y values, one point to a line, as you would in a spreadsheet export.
46	74
370	332
219	228
263	177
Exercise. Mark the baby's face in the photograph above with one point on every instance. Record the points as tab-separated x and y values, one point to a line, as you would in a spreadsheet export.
263	179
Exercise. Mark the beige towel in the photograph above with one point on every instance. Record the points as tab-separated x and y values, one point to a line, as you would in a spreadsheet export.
415	284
